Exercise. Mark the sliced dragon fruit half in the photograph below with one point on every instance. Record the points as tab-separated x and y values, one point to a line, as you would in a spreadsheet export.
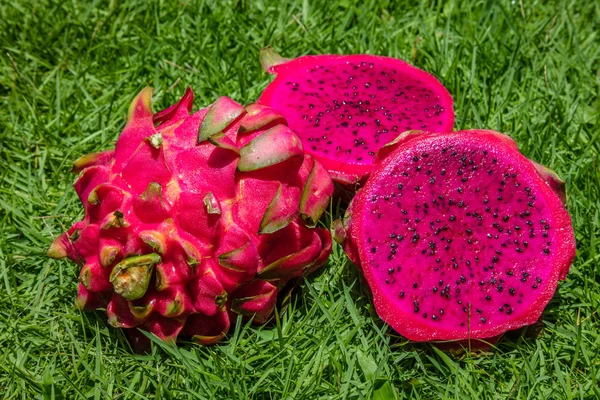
459	235
345	108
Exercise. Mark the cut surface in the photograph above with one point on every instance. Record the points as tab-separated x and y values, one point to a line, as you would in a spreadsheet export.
344	108
460	237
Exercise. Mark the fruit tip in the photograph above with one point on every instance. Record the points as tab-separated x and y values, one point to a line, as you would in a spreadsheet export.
338	232
141	106
57	249
269	59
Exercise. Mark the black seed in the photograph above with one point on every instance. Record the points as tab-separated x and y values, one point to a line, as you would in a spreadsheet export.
401	293
511	291
482	320
373	250
452	218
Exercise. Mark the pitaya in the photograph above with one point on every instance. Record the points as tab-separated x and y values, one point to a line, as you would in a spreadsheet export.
458	235
345	108
194	219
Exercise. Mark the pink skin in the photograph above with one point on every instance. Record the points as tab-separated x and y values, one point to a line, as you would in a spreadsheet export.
172	273
207	330
140	125
176	112
346	107
522	275
191	224
237	258
150	206
209	295
146	165
256	298
90	178
261	187
87	300
106	199
279	264
317	190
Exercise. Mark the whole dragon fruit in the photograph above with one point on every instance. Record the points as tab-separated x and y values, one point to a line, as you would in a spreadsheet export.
459	235
196	218
346	107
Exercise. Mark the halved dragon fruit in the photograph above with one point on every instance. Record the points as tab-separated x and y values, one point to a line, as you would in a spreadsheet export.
346	107
195	218
458	235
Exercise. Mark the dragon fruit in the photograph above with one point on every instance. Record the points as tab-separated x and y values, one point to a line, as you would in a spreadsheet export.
458	235
345	108
195	219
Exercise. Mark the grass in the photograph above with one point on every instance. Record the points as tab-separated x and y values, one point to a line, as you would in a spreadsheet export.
67	72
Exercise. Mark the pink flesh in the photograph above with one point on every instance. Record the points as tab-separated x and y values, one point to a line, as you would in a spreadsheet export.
483	261
345	108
